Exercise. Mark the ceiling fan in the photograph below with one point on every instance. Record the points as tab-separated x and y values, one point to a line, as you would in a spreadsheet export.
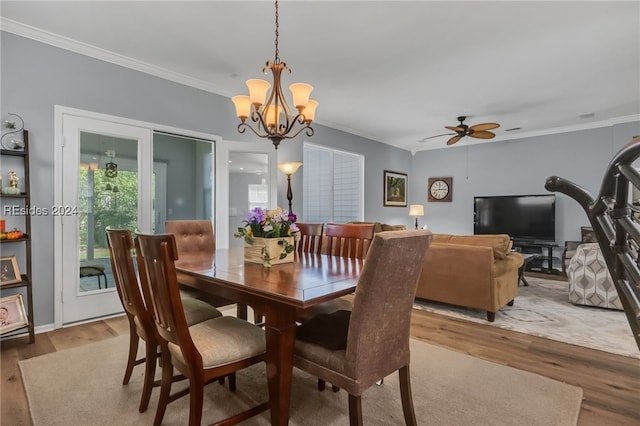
461	130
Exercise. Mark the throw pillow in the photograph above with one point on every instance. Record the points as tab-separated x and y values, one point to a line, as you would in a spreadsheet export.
327	330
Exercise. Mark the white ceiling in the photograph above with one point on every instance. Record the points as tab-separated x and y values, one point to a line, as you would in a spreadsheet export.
392	71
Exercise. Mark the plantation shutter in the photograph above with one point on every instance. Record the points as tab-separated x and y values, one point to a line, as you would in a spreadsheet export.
333	185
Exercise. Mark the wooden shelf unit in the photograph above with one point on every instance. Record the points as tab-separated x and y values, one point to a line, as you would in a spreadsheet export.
25	200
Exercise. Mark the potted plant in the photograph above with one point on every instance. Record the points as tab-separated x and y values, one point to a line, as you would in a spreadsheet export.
268	236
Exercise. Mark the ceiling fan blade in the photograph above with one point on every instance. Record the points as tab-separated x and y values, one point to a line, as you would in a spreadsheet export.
436	136
485	126
482	135
456	129
454	140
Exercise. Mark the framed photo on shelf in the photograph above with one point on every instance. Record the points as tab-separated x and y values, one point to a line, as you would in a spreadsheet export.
395	189
9	272
12	313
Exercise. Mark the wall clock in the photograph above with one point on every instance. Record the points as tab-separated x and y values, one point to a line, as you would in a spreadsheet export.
440	189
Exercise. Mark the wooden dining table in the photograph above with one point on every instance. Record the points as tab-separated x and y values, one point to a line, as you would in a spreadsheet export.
276	293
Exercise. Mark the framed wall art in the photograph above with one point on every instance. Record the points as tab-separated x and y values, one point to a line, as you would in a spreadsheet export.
9	272
395	189
12	313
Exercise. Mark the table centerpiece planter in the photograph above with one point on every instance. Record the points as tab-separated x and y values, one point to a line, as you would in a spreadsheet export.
268	236
269	251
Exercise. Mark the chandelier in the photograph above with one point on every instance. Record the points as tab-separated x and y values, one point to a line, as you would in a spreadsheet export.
274	119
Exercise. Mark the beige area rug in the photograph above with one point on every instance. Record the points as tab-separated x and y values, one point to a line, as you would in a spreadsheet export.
83	386
543	309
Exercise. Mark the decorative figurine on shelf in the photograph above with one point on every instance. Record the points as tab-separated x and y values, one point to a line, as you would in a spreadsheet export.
13	179
13	140
12	189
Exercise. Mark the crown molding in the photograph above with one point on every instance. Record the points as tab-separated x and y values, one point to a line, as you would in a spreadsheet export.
85	49
572	128
546	132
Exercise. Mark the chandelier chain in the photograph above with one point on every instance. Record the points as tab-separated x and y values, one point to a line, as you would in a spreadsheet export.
277	58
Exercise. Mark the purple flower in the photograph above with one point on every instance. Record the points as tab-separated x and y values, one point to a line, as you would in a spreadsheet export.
292	217
256	215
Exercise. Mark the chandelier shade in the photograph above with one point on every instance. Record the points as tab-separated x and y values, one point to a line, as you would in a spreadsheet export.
265	110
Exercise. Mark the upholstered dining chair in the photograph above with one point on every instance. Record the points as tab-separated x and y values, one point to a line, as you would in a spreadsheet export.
197	237
204	352
343	240
370	349
310	238
136	308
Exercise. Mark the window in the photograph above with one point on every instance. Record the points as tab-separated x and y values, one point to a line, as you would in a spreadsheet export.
258	196
333	185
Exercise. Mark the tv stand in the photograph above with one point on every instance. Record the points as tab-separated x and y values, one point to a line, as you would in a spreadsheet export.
543	251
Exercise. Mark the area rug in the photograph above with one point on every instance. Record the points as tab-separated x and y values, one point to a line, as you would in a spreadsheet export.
83	386
543	309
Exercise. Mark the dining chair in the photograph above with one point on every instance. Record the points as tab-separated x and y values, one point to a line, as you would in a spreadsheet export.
310	238
136	308
197	237
344	240
350	240
204	352
376	342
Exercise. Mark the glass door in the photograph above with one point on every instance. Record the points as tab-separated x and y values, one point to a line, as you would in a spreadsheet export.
104	184
108	196
188	192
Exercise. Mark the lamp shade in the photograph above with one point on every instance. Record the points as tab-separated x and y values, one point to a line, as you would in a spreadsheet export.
309	111
258	90
416	210
290	167
243	106
272	116
300	92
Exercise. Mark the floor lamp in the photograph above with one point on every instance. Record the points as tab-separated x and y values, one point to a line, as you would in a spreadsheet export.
289	169
416	210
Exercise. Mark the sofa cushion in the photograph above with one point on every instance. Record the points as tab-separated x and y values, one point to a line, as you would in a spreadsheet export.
500	243
386	227
377	226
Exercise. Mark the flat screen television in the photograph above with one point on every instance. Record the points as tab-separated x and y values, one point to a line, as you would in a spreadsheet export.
527	218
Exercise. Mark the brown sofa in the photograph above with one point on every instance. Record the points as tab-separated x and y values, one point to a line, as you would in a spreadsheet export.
475	271
379	227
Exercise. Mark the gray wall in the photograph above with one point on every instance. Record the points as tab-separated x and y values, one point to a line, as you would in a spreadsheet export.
518	167
36	76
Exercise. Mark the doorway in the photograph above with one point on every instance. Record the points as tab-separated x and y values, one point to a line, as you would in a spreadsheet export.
121	174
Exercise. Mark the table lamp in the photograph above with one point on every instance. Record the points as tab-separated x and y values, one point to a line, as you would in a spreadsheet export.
416	210
288	169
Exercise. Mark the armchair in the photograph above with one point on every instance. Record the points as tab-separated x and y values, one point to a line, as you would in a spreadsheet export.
590	282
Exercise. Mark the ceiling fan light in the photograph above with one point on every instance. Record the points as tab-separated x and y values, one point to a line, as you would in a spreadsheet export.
243	106
300	92
258	90
309	111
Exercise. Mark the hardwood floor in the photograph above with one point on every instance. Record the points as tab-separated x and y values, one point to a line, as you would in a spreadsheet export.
611	383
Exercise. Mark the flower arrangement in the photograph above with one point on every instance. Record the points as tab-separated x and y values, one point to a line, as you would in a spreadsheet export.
263	223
